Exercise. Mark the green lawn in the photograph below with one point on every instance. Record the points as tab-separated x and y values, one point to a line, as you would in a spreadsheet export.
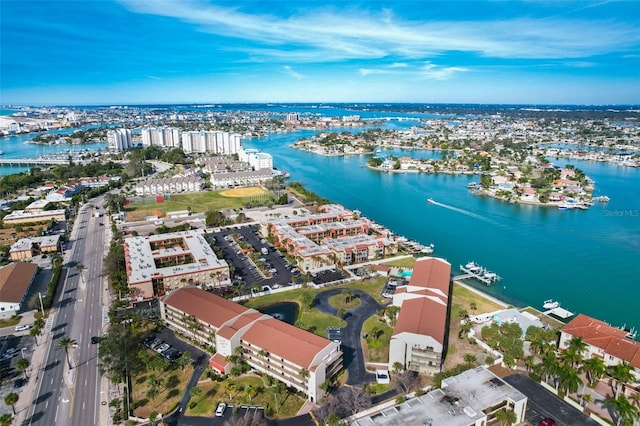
376	350
338	301
408	262
463	298
199	202
206	402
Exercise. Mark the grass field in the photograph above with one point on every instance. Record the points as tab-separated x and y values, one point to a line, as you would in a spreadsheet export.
199	202
408	262
173	385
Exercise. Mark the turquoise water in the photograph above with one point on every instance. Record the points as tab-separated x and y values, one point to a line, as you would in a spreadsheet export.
405	274
588	260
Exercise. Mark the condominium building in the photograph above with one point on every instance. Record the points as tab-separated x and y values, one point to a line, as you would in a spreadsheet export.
419	339
166	137
23	216
214	142
119	139
27	248
298	358
169	185
240	179
256	159
157	264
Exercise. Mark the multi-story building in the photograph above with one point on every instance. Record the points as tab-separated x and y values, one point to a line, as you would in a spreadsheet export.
119	139
240	179
256	159
220	164
471	398
166	137
26	248
157	264
22	216
214	142
65	192
15	281
332	236
298	358
169	185
419	339
612	345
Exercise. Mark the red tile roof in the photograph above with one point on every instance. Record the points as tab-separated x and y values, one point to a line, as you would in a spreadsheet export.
432	272
286	341
15	279
219	362
207	307
601	335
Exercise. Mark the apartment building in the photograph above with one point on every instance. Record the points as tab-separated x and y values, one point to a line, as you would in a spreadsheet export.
214	142
165	137
297	358
119	140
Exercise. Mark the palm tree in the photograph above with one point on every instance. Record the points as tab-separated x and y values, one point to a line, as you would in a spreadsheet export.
594	368
569	379
21	365
6	419
67	343
627	413
11	400
473	307
195	393
548	367
80	267
304	374
506	417
621	374
231	387
249	391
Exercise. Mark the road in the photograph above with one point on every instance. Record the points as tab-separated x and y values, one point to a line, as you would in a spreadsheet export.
71	397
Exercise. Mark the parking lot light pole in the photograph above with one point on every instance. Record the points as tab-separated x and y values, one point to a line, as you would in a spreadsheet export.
41	307
22	352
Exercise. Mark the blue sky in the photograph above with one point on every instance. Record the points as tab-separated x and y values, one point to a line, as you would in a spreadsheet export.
204	51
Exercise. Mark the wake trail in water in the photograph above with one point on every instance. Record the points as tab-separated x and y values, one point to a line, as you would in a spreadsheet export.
464	212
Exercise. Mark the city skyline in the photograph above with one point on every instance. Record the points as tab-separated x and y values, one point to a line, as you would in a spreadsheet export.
139	52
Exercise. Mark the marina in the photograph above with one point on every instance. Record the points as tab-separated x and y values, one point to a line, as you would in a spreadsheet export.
473	271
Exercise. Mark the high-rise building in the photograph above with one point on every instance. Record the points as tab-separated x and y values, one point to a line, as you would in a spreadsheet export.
119	139
257	160
166	137
214	142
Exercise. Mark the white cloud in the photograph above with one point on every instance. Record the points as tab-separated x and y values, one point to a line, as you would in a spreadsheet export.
288	70
427	71
325	34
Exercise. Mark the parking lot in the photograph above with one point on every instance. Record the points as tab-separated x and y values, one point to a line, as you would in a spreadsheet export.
12	348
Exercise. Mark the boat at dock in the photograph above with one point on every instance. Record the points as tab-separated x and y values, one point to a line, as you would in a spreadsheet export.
475	271
472	185
550	304
602	199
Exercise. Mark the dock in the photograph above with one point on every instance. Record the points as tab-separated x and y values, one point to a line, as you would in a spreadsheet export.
33	162
559	312
477	273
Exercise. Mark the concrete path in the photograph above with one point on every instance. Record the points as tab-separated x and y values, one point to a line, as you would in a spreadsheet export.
351	346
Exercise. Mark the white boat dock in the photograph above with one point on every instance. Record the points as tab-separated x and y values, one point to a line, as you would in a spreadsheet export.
477	273
559	312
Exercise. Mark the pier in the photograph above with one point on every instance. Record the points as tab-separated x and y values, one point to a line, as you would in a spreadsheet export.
559	312
33	162
471	270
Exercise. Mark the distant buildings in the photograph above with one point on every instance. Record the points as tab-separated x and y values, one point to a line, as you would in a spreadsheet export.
64	192
612	345
471	398
165	137
23	216
257	160
157	264
240	179
15	281
169	185
214	142
119	140
419	339
295	357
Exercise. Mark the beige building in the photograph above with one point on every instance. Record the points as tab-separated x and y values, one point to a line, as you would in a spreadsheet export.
15	281
26	248
298	358
23	216
419	339
157	264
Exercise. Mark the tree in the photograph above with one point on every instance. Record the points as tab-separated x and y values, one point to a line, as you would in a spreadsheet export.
594	368
80	267
569	379
304	374
306	300
195	393
621	374
473	306
6	419
184	360
21	365
506	417
153	387
626	412
11	400
66	343
469	358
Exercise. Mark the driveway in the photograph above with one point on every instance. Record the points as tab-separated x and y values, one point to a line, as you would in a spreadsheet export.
351	347
544	404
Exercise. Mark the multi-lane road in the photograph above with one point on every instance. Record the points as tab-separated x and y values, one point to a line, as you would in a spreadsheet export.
69	397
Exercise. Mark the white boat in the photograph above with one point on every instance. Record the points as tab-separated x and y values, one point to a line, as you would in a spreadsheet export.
472	185
491	276
1	152
471	266
430	201
602	199
550	304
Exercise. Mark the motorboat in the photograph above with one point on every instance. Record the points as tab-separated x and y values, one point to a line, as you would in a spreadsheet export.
430	201
550	304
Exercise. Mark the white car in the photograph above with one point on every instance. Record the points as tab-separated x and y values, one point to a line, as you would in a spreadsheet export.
162	348
220	410
22	327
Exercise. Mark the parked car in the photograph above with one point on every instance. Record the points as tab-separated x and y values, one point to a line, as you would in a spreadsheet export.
220	410
169	353
95	340
156	342
162	348
22	327
547	422
19	382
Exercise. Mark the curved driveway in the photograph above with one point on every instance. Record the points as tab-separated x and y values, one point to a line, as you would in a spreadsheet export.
351	347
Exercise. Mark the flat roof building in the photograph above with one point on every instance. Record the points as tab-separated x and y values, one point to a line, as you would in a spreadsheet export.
26	248
157	264
15	281
471	398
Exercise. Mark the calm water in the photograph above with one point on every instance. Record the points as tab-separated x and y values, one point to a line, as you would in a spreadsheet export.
588	260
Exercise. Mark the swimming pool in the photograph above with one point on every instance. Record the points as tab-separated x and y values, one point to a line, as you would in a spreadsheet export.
405	274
